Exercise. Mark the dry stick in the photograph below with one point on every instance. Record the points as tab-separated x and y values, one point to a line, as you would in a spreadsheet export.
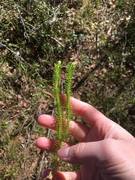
23	24
40	164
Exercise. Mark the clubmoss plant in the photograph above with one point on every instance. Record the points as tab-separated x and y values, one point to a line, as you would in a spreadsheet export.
57	103
68	88
63	116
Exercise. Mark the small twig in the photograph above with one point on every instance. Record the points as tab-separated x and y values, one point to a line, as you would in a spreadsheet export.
16	54
49	21
56	40
23	24
42	160
5	46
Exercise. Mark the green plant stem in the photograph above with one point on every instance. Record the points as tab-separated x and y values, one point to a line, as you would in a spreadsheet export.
58	107
69	76
62	120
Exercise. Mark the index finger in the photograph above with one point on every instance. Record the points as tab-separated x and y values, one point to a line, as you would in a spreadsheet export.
97	119
86	111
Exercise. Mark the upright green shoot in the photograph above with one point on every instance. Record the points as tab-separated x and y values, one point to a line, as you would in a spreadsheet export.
68	88
57	103
62	118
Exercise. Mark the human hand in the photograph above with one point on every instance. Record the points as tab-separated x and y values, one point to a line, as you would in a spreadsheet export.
105	151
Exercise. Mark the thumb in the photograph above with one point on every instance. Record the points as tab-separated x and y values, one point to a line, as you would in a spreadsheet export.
82	152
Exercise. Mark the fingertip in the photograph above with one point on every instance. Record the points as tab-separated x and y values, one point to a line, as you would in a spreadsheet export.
44	143
46	121
66	176
63	153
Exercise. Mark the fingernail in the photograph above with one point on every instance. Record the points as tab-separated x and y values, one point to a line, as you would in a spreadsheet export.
64	153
